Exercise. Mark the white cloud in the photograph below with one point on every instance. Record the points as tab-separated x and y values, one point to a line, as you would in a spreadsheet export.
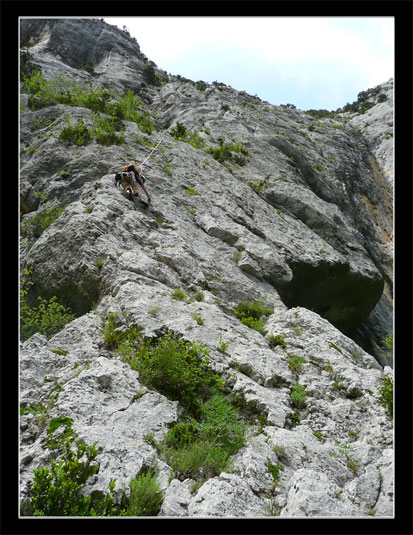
308	57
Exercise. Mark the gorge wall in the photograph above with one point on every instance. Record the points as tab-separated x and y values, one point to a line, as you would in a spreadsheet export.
250	201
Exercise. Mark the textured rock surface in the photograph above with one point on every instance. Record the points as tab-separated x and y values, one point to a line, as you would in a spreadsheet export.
313	241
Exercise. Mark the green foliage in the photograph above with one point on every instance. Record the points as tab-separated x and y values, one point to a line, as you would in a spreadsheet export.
79	134
223	346
225	153
237	256
178	294
33	227
319	436
173	367
276	340
38	410
114	334
27	66
201	85
202	448
105	130
60	91
298	396
295	363
250	314
274	470
191	191
198	318
201	445
179	132
335	347
128	108
344	450
195	139
48	318
150	76
145	494
260	185
388	342
386	395
56	489
53	442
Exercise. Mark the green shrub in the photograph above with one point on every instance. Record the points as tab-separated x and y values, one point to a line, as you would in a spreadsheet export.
255	310
201	85
195	139
202	448
298	396
48	318
191	191
145	494
250	314
128	108
60	91
105	131
198	318
150	76
178	294
224	153
276	340
179	132
386	395
38	410
79	134
201	445
274	470
57	489
260	185
295	363
33	227
388	342
173	367
114	334
27	66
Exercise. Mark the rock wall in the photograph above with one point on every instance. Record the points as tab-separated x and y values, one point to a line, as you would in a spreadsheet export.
301	220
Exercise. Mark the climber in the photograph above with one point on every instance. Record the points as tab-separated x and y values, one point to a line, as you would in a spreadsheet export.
129	180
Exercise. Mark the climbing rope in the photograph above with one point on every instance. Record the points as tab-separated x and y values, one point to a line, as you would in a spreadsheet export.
150	154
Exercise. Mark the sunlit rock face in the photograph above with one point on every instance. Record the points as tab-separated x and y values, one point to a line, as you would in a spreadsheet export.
300	219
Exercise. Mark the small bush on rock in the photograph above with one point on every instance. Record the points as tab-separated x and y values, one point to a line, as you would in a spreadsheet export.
79	134
386	395
295	363
105	130
57	489
173	367
251	313
298	396
48	318
33	227
201	448
179	132
145	494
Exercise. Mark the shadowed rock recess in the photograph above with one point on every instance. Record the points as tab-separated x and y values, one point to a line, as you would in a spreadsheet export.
250	202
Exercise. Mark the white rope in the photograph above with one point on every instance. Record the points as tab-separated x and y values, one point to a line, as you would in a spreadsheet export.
150	154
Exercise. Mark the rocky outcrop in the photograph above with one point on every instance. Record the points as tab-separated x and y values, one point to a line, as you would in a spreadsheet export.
301	219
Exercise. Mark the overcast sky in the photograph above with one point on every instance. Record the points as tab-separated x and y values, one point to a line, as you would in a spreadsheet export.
311	62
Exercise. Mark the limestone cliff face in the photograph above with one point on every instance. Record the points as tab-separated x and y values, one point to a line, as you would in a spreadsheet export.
300	218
